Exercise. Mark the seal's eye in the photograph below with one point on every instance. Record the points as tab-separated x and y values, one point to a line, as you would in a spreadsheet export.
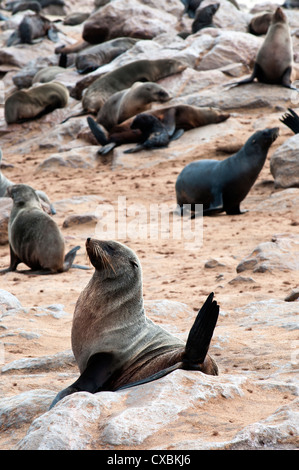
134	264
109	249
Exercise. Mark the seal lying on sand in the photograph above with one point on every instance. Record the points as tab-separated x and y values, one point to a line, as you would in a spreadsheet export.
274	59
23	105
114	343
222	185
34	237
175	118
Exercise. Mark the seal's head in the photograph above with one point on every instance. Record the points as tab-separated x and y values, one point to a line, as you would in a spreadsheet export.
112	259
279	16
23	195
262	139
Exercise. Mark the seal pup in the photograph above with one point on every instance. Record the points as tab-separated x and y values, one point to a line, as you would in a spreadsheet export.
114	343
32	29
44	199
220	186
154	133
34	237
291	119
273	63
176	117
130	102
24	105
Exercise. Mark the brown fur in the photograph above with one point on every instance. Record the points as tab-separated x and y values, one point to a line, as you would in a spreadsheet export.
24	105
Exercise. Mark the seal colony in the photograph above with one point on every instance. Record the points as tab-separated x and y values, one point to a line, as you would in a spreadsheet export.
115	344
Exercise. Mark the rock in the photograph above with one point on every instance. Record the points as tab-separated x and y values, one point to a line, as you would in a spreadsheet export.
74	422
77	158
8	301
281	254
46	363
213	263
23	408
269	314
287	199
76	219
284	164
127	18
281	428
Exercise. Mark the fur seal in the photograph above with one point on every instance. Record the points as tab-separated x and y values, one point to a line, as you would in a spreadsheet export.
91	58
273	64
291	119
32	29
129	102
260	23
29	104
75	18
154	133
204	17
47	74
5	183
124	77
222	185
115	344
34	237
175	118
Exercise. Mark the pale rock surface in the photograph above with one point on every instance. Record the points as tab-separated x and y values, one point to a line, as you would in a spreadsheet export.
284	164
280	254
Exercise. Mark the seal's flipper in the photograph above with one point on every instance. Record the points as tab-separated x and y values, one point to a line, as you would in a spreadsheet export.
97	131
291	120
14	261
52	34
107	148
177	134
69	258
286	79
255	73
234	210
169	121
98	370
201	333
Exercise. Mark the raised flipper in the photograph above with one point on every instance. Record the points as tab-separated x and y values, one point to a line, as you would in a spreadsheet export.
291	120
98	370
201	333
197	345
97	131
